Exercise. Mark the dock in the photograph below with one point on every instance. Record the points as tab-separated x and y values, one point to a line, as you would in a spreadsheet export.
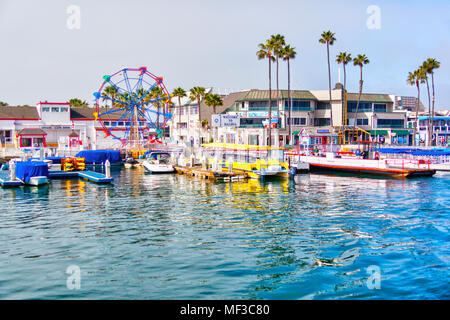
91	176
5	180
210	174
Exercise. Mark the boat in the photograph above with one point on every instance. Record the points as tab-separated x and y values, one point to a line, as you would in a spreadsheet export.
258	162
131	162
34	173
359	165
37	181
158	162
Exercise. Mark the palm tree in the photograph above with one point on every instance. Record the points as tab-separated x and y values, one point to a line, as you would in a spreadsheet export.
198	93
213	100
266	51
288	54
110	92
156	93
344	58
360	60
75	102
180	93
416	78
327	37
278	44
429	65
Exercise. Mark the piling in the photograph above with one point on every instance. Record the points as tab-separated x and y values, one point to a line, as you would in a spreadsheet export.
107	169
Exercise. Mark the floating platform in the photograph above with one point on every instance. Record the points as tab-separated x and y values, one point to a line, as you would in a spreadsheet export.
5	180
210	174
87	175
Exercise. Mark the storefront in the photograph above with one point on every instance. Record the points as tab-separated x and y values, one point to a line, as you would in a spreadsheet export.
31	138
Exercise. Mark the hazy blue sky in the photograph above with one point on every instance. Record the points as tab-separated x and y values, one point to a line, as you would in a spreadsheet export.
213	43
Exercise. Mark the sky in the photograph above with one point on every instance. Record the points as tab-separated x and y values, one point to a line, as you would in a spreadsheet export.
44	56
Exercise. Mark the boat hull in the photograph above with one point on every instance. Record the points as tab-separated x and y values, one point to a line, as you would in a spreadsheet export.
158	168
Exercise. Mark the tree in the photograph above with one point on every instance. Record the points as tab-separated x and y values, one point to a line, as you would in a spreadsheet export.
180	93
75	102
288	54
360	60
429	66
156	93
278	43
198	93
327	37
213	100
266	51
344	58
416	78
3	104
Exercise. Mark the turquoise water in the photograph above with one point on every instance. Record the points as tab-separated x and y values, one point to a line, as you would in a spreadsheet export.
175	237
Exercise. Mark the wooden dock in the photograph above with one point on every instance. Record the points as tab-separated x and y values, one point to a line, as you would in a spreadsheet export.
87	175
197	171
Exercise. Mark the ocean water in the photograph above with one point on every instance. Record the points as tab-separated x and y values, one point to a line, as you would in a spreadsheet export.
176	237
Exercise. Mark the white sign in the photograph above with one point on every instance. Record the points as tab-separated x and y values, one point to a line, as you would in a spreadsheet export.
225	120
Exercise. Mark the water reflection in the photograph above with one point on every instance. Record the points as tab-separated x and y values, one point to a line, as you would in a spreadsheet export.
177	237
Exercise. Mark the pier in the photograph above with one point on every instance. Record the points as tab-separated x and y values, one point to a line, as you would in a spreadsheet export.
210	174
91	176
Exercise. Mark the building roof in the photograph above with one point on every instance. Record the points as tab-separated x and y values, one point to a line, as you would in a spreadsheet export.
80	113
31	131
18	113
257	95
370	97
228	101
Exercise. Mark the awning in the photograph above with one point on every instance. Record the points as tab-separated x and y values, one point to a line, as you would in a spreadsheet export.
296	133
401	132
378	132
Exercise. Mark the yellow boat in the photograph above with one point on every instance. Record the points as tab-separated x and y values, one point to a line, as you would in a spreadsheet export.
259	162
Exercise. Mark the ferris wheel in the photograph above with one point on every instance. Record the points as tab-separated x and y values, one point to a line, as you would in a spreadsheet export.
133	106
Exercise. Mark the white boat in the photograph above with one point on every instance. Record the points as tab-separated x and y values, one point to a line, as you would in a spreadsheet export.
158	162
38	181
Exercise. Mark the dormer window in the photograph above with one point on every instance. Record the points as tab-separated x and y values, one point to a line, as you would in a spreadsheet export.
64	109
45	109
55	109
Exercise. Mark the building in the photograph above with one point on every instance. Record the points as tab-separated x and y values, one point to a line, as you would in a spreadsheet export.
441	127
310	109
54	125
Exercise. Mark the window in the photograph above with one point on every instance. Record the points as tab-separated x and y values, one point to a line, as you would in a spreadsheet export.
298	122
25	142
322	122
45	109
323	105
362	122
379	107
297	105
182	125
194	110
106	123
121	124
390	123
251	122
114	124
5	136
261	105
55	109
64	109
363	106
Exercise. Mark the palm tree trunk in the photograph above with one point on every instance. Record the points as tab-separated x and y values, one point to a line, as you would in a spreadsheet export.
289	103
278	99
270	105
329	83
429	114
417	113
344	122
432	110
359	97
179	112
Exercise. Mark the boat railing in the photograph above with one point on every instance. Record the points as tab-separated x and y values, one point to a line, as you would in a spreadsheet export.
408	163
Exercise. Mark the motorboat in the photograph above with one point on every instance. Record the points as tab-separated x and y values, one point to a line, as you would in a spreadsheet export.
158	162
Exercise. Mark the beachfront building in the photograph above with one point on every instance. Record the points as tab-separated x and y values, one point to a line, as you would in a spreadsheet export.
55	126
310	113
441	135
